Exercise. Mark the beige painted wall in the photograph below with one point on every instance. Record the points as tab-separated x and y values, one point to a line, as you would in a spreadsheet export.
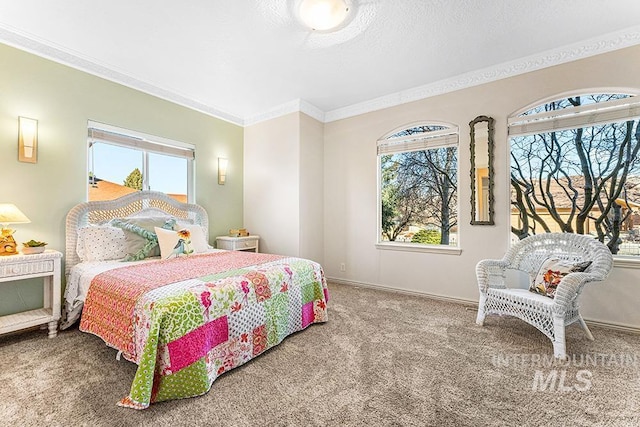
283	195
350	187
272	185
62	100
311	188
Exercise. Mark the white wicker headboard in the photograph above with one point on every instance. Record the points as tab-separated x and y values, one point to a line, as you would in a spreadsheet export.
140	203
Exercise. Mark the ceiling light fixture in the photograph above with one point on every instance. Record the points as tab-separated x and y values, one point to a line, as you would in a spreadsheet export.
323	15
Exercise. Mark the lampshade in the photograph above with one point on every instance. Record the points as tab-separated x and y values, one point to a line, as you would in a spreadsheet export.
323	15
10	214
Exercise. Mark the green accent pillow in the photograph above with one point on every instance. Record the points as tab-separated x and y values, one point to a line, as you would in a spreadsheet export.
141	240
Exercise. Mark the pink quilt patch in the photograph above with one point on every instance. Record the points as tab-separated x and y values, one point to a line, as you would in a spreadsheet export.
196	344
307	314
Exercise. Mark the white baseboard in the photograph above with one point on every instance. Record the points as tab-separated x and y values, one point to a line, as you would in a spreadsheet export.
403	291
616	326
467	302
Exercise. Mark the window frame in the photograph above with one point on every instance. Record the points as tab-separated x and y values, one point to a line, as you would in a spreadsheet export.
146	144
442	138
516	118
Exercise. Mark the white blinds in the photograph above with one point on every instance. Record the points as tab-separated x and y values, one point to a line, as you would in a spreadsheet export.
418	142
571	118
136	140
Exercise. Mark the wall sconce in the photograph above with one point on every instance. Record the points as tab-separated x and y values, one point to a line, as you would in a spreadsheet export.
222	170
27	140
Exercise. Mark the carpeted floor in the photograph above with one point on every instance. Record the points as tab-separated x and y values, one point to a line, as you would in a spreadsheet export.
383	359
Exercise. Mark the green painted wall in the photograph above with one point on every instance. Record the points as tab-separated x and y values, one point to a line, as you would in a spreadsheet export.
62	99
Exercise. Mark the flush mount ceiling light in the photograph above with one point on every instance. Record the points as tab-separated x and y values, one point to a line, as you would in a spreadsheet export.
323	15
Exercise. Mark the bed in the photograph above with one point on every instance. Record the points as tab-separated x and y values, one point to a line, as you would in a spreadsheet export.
188	314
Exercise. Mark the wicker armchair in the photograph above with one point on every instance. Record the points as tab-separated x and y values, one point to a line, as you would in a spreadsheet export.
548	315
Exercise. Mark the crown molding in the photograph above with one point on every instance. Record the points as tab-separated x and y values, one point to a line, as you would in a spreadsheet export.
584	49
46	49
296	106
312	111
275	112
606	43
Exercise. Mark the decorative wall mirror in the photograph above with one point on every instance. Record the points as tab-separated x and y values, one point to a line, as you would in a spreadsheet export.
482	170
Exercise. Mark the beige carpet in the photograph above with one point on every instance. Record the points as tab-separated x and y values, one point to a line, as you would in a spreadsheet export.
383	359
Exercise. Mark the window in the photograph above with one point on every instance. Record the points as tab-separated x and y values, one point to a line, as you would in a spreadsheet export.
123	161
575	169
418	186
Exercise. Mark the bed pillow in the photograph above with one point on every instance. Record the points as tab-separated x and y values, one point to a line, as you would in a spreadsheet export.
101	243
182	223
186	241
551	273
141	239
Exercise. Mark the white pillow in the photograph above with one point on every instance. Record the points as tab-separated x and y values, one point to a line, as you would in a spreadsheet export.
101	243
194	243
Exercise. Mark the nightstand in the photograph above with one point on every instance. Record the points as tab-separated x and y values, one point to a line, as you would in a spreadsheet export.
20	267
246	243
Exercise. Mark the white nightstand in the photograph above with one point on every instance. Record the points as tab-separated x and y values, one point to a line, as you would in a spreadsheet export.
246	243
20	267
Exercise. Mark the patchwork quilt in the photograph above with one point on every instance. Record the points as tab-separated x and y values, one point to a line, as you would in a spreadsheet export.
185	321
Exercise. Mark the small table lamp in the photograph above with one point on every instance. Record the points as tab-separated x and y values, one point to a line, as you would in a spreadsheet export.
9	214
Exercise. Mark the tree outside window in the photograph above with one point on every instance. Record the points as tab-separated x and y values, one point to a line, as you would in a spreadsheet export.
579	172
418	186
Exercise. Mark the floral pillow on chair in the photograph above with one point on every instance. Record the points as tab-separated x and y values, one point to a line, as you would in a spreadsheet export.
551	273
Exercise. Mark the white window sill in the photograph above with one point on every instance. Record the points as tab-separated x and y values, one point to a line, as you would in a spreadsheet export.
626	261
407	247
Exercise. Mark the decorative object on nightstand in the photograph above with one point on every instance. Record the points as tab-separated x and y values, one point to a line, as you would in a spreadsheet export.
10	214
244	243
33	247
21	267
241	232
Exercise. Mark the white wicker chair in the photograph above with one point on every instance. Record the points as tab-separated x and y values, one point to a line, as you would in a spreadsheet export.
548	315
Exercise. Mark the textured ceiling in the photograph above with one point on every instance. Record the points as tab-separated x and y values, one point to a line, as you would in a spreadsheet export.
243	60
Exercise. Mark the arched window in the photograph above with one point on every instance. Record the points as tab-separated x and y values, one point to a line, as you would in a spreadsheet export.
418	186
575	168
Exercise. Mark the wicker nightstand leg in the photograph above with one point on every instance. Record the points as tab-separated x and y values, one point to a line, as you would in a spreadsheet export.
53	329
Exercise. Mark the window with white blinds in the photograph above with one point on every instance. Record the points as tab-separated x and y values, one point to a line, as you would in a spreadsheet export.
403	142
613	109
122	161
418	188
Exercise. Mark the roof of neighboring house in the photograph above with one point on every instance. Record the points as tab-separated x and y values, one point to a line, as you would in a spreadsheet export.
562	201
107	190
179	197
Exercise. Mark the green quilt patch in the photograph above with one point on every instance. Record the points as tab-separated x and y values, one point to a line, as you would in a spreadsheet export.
189	381
277	318
223	275
311	292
